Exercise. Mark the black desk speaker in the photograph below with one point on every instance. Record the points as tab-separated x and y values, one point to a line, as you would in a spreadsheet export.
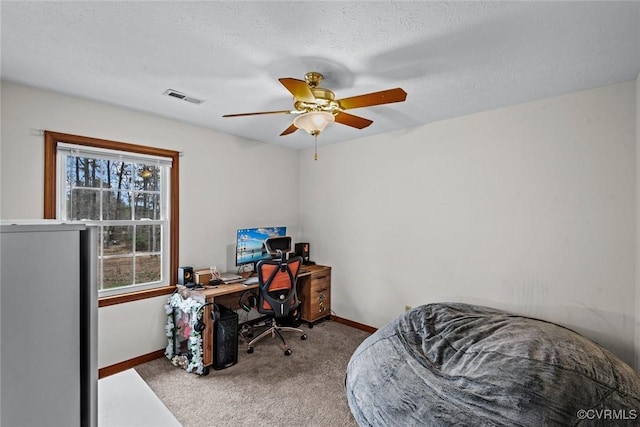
225	339
185	275
302	250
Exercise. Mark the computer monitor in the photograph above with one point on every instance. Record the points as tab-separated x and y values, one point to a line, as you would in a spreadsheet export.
250	243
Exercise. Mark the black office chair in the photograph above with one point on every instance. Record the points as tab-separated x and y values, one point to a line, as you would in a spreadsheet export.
277	297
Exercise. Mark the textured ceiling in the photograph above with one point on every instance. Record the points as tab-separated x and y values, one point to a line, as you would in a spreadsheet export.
452	58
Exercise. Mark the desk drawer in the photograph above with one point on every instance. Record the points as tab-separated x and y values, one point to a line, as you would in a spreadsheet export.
321	279
320	304
316	297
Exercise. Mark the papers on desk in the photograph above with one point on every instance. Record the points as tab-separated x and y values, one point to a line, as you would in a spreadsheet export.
230	277
251	281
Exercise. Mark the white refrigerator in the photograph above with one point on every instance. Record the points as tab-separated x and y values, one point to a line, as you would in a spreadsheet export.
48	324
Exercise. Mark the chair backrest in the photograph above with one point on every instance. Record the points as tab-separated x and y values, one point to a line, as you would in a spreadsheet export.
278	246
277	279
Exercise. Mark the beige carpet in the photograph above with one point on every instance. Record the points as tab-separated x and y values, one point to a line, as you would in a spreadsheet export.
266	387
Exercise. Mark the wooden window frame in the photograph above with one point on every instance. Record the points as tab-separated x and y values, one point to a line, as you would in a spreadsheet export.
51	140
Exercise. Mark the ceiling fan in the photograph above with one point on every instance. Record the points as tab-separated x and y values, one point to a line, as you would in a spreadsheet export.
317	107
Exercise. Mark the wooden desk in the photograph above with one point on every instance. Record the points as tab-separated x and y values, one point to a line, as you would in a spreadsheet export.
314	292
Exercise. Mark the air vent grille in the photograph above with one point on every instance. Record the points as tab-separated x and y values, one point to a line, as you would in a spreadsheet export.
179	95
193	100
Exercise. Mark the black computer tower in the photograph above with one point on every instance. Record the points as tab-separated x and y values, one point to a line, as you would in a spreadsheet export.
225	339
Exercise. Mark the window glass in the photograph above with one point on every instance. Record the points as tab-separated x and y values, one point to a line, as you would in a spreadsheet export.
128	201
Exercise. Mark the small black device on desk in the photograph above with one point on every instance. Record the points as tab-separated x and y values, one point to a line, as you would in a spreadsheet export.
302	250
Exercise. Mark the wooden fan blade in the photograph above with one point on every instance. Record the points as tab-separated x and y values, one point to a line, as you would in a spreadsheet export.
298	88
259	113
351	120
290	129
375	98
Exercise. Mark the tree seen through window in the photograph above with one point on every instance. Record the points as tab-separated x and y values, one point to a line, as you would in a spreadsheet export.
124	198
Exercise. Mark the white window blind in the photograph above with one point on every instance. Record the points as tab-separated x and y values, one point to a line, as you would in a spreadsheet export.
114	155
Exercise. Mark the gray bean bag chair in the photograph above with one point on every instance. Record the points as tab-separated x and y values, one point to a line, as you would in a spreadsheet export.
458	364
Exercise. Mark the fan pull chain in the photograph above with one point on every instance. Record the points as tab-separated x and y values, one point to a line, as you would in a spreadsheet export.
315	155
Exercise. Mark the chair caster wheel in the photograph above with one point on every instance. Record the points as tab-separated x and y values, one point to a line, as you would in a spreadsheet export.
287	352
205	371
250	350
303	337
310	325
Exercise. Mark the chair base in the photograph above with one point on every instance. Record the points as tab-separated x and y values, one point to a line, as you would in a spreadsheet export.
276	330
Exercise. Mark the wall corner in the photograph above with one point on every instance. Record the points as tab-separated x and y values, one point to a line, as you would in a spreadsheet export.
637	228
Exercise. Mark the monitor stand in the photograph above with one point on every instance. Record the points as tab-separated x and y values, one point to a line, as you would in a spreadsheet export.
255	269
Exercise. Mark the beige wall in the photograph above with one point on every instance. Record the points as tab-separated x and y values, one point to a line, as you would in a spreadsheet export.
208	173
529	208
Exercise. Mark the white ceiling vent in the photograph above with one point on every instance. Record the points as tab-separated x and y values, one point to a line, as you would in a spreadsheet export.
184	97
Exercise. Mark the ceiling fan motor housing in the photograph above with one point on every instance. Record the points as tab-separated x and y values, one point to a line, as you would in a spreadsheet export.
325	101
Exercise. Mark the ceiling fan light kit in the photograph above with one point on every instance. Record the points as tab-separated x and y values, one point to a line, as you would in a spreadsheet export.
317	106
313	122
